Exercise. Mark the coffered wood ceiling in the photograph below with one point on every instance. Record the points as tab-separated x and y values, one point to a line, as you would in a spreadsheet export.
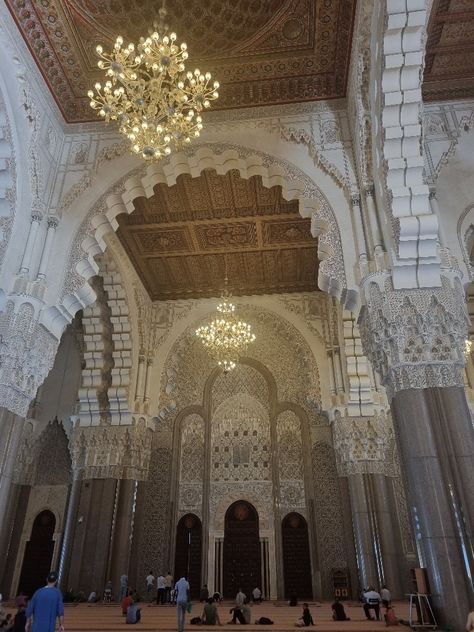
449	62
263	52
179	239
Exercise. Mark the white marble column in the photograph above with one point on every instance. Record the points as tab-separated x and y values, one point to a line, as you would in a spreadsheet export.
30	243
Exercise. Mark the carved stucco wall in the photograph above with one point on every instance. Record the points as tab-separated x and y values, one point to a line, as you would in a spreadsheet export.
153	528
328	511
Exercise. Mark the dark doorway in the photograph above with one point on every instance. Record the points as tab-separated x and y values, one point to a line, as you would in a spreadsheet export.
296	557
242	559
188	555
38	554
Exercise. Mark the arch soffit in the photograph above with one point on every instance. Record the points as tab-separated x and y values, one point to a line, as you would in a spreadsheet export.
90	234
232	497
465	231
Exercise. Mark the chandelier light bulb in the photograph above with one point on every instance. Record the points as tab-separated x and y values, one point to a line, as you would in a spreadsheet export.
150	94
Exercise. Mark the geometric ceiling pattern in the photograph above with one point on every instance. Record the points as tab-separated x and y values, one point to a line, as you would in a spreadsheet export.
263	52
449	60
182	238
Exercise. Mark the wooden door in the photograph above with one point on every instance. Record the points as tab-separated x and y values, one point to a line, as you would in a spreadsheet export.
242	557
296	557
188	554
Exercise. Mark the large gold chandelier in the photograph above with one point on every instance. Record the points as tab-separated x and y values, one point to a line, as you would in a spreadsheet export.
147	91
226	337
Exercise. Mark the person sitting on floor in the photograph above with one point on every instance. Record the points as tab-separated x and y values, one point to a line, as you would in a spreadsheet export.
133	613
338	612
237	614
204	593
389	614
257	595
246	611
126	602
306	619
210	616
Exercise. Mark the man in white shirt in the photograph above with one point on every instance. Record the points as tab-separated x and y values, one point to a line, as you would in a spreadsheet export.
150	581
181	591
161	585
240	598
372	602
470	621
386	595
257	595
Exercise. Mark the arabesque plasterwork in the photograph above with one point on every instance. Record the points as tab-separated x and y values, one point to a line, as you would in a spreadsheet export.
415	338
363	445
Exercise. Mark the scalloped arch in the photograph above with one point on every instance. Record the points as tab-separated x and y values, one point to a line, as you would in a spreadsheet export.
296	185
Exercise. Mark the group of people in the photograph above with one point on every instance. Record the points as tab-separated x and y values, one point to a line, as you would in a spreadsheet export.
16	622
371	601
163	584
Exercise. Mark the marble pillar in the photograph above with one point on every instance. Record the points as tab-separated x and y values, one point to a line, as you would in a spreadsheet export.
92	527
122	532
363	538
386	526
11	429
71	517
437	493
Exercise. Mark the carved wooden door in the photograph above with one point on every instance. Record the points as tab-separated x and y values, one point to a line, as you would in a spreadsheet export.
296	557
242	558
188	554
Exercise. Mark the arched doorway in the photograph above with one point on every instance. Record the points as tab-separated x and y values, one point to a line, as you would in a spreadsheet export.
296	556
242	558
38	553
188	554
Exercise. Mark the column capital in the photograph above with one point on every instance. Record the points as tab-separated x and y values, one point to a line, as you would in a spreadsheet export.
364	445
121	452
415	338
53	222
370	190
355	199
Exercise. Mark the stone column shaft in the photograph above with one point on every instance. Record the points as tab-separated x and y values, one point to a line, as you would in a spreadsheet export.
52	224
71	517
433	496
11	428
374	223
30	242
359	227
361	521
386	534
122	532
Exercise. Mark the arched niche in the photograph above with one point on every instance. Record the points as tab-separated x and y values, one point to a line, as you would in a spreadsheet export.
38	553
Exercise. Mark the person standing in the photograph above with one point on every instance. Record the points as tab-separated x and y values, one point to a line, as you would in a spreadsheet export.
45	607
181	591
150	582
168	586
123	586
161	586
386	595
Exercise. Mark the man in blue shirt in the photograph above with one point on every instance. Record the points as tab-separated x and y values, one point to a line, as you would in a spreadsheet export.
181	591
45	607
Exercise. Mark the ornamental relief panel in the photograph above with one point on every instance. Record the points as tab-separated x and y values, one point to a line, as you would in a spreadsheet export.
222	495
290	447
192	449
243	379
328	514
241	447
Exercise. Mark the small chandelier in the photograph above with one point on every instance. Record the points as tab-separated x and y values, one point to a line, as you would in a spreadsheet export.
148	92
225	337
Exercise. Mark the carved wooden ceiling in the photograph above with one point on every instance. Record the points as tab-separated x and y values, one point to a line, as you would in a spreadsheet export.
263	52
449	63
179	239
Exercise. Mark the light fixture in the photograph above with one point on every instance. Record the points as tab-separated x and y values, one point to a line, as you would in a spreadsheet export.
156	103
467	348
226	337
